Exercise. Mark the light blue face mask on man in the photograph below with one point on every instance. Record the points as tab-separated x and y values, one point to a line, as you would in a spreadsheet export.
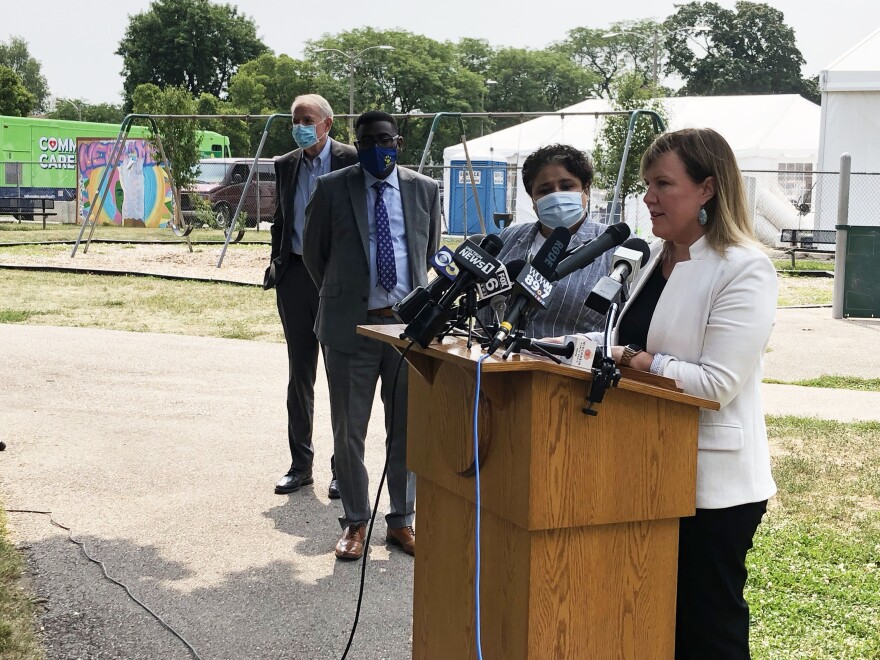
304	135
560	209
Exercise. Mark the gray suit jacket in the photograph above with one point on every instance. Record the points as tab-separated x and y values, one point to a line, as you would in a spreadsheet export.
286	173
337	243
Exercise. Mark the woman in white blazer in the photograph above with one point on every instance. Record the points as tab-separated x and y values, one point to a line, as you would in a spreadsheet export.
701	312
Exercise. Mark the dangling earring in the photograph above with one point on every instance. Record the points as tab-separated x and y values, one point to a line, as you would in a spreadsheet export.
702	217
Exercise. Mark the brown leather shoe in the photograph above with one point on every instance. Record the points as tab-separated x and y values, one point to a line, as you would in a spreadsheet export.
405	537
351	545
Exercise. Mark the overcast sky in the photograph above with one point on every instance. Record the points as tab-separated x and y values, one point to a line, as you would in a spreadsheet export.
75	41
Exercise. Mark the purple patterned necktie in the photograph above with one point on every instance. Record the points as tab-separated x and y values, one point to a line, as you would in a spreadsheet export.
385	264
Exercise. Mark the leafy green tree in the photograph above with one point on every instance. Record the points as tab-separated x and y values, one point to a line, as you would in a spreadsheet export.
419	75
535	81
268	85
192	44
80	110
747	50
235	129
16	56
179	139
475	55
15	99
608	154
625	46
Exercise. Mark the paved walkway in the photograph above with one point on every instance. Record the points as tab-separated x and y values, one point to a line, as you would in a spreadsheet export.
160	452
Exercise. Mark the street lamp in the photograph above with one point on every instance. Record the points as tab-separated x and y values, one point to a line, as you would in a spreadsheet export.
78	109
352	57
483	102
655	44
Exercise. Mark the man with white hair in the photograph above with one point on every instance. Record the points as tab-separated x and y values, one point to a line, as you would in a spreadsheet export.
296	174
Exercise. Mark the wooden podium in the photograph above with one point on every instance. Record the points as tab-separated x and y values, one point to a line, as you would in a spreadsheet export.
579	534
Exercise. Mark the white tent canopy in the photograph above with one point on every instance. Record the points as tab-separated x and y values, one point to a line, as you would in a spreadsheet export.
764	131
850	121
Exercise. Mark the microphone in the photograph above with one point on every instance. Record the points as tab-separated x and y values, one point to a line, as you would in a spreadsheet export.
533	284
589	252
476	263
444	265
625	265
500	282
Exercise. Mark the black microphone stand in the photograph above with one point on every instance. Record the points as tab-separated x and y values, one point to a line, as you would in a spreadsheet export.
606	374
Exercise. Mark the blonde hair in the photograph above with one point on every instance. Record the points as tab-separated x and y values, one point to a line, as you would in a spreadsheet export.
706	153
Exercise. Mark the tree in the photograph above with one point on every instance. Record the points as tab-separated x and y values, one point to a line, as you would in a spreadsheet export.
235	129
747	50
420	75
179	139
81	110
15	99
536	80
629	95
192	44
15	55
475	55
268	85
624	46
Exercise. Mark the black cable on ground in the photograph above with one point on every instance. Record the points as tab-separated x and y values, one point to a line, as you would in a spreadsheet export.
123	273
82	545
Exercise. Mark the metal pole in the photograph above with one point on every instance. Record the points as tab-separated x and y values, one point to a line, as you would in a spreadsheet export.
658	127
351	98
841	237
232	220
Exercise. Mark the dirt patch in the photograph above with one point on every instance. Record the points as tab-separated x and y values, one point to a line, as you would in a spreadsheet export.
242	263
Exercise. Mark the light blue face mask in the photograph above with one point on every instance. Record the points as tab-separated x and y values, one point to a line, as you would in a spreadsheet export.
560	209
305	136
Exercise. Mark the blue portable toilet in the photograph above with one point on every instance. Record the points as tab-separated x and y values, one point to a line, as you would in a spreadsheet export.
490	178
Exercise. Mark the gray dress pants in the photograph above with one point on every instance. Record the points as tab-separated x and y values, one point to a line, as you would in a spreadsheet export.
352	379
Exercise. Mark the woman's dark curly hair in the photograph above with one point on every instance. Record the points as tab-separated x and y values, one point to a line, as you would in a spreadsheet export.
574	160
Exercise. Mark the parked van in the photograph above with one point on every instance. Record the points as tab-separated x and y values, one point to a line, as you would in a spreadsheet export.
221	182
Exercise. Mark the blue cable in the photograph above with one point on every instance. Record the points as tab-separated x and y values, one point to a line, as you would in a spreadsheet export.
477	517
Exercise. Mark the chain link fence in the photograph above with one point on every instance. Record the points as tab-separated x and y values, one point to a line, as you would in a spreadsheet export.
793	198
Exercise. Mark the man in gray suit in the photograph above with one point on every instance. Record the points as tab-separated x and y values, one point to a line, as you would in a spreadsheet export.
370	230
297	296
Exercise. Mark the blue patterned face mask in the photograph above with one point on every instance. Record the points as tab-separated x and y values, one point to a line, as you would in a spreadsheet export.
305	136
560	209
377	160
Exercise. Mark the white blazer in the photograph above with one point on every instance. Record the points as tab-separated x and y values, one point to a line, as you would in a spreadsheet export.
713	321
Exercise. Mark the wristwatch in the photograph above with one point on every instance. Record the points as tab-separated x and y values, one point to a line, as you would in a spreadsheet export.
629	352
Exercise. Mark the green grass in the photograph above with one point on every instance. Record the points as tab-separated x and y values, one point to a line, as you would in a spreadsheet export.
834	382
803	264
798	291
139	304
814	574
18	639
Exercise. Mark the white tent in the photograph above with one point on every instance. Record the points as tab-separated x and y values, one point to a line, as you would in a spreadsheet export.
850	123
764	132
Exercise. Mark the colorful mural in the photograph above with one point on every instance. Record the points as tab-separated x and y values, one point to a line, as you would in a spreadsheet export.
139	189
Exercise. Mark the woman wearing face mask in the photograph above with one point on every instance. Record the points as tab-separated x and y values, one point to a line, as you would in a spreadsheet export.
557	178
